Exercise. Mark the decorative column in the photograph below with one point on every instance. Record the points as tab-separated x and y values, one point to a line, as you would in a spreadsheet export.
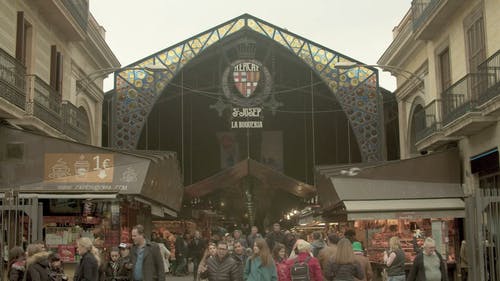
248	184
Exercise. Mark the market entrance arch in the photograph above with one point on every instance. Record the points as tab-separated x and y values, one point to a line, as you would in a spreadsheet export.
247	89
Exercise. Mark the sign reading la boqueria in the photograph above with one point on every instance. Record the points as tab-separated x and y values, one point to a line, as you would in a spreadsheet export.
246	118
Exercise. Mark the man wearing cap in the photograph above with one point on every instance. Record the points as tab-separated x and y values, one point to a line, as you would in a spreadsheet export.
363	261
146	257
125	265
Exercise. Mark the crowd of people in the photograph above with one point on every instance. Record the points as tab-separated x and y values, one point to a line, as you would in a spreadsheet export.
279	256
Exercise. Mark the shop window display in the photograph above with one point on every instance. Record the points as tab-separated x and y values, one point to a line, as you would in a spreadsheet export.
95	221
412	234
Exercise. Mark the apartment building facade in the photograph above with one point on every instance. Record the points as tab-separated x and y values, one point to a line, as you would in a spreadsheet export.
449	96
51	55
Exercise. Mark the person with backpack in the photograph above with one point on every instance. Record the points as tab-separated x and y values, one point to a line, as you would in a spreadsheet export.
304	267
260	267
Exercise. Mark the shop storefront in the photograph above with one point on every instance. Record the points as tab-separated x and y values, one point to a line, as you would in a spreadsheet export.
84	191
411	199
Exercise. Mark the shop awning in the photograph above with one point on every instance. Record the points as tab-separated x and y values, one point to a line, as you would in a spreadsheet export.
231	176
34	163
423	187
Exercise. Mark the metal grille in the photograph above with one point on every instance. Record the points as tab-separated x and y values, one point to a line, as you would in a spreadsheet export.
19	222
483	227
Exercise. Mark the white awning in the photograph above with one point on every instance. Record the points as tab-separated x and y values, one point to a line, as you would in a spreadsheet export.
405	209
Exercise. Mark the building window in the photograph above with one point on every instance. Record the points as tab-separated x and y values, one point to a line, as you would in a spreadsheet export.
56	70
475	39
23	39
444	69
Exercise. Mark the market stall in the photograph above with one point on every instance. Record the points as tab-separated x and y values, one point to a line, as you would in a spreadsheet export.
86	191
412	199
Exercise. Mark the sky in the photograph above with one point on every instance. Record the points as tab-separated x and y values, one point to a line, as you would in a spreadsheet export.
361	29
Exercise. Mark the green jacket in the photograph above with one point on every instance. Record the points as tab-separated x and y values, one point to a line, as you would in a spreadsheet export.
255	271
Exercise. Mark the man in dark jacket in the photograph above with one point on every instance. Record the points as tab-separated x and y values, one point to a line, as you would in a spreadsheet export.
275	236
220	267
181	255
239	255
435	267
318	244
254	234
196	250
146	257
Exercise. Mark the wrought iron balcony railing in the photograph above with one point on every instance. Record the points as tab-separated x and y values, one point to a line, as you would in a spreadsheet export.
12	80
79	9
429	117
462	97
75	122
44	102
421	11
491	68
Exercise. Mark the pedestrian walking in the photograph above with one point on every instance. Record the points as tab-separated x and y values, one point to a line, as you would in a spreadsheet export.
344	265
359	256
221	267
16	267
146	257
395	261
428	265
112	267
88	268
37	263
260	266
125	261
328	253
240	256
304	258
196	250
279	256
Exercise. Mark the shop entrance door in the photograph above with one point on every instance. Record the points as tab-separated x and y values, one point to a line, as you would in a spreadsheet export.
483	229
19	222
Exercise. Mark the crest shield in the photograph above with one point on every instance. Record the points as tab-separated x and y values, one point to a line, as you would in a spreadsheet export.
246	77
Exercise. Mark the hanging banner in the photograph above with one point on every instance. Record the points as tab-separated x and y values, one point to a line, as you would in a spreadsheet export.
229	149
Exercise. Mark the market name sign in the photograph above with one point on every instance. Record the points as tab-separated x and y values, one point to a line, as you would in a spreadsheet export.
246	118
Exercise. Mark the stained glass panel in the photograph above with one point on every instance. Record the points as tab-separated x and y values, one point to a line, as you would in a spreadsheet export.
356	89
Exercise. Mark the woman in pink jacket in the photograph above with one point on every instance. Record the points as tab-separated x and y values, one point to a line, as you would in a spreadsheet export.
304	253
279	256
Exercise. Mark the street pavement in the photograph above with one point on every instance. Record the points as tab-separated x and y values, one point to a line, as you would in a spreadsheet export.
179	278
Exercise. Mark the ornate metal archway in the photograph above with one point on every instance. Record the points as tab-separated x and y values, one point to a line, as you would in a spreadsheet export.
139	85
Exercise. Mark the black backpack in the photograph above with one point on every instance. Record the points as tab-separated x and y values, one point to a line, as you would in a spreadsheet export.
300	270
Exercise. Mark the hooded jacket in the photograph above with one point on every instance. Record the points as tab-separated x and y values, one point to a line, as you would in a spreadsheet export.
38	267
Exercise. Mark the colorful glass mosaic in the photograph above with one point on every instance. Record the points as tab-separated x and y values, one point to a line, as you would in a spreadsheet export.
139	85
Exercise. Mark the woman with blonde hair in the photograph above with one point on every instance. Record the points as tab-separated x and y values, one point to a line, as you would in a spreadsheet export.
260	266
344	265
395	261
88	268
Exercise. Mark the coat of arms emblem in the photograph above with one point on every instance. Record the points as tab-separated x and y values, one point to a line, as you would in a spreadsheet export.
246	77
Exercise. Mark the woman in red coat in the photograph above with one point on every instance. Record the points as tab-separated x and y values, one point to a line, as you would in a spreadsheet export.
304	249
279	253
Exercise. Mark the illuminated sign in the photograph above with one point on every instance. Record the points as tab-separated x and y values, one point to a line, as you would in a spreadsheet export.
78	168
